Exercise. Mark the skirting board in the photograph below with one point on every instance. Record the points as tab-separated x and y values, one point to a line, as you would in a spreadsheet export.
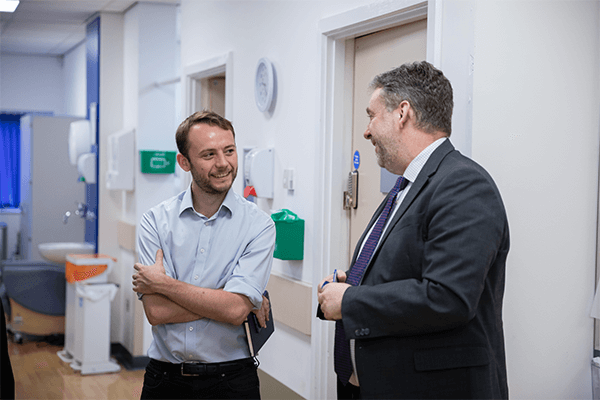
291	302
118	351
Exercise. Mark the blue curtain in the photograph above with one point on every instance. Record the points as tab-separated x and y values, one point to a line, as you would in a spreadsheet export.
10	161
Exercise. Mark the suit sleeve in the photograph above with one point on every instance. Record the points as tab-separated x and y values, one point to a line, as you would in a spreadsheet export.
429	274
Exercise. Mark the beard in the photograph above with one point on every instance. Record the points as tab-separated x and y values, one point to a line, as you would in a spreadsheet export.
384	158
205	184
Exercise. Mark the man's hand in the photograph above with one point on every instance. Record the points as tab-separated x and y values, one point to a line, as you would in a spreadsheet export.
147	276
263	314
330	296
341	277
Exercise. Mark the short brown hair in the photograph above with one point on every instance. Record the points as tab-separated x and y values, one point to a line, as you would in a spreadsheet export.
199	117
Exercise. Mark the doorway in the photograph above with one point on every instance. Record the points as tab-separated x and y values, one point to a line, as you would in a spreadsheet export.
373	54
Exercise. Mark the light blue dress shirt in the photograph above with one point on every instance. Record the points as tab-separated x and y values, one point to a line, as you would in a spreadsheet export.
232	250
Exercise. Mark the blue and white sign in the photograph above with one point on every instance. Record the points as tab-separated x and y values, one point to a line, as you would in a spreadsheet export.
356	159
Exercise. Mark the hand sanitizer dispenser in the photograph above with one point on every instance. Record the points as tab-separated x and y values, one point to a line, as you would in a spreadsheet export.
258	172
86	165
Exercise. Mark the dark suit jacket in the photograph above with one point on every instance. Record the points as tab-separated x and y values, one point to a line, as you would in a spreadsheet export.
427	316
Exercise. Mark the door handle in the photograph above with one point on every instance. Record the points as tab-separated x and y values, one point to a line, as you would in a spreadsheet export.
351	195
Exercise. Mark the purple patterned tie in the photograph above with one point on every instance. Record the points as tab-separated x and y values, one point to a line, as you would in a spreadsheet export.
342	362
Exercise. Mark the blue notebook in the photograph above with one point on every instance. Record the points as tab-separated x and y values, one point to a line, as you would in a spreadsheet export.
258	336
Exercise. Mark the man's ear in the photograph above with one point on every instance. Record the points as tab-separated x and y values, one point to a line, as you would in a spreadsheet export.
402	112
183	162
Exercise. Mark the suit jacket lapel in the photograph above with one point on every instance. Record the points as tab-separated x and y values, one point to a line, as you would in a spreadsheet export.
429	169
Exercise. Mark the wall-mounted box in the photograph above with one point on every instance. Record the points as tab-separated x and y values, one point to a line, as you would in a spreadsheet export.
157	162
121	155
258	171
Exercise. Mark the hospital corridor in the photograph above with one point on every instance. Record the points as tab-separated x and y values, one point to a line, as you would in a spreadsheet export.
95	102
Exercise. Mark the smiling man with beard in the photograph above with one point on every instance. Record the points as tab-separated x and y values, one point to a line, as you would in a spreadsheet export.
419	312
205	258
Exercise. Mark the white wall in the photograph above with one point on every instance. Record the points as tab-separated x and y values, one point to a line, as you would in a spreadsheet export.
151	55
536	125
75	81
32	83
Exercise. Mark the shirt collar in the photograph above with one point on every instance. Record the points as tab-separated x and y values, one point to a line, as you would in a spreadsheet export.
187	203
417	164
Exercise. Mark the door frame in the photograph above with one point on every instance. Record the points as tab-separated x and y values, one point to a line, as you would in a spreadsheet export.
196	72
337	55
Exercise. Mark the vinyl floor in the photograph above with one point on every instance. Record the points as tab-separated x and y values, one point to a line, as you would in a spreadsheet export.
40	374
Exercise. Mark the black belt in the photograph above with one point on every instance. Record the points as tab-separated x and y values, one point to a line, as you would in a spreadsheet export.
199	369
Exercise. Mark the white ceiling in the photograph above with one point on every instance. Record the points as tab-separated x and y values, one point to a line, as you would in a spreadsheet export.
53	27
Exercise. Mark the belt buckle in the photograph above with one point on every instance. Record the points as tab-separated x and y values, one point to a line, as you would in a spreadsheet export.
188	362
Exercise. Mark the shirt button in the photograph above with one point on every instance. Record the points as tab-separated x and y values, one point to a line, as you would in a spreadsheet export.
196	277
201	250
191	328
207	223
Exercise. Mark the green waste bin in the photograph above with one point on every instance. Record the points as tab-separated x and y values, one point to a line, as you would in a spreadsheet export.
289	243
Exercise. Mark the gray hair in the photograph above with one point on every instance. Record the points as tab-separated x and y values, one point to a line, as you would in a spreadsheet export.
425	88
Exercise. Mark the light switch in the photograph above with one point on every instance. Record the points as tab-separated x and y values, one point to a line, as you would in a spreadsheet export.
288	179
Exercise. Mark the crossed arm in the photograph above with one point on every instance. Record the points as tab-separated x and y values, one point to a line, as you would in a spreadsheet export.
168	300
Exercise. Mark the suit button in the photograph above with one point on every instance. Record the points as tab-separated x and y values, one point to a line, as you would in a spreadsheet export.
357	332
367	331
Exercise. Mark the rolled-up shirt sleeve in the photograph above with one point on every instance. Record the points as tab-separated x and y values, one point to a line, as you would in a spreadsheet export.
149	243
251	273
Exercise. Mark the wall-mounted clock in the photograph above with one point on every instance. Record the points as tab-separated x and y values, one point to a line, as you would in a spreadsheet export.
264	85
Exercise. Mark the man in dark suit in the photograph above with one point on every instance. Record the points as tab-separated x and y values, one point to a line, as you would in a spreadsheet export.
419	313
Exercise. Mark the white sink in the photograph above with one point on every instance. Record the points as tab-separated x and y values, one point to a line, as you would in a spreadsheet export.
57	252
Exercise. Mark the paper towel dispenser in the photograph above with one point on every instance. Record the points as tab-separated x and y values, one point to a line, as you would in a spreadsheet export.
258	173
80	139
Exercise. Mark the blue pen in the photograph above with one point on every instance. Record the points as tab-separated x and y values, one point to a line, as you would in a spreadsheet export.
334	279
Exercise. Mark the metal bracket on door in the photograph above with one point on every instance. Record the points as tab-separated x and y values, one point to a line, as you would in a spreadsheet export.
351	195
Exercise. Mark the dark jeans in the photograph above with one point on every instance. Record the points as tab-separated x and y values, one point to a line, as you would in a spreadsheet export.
347	392
160	384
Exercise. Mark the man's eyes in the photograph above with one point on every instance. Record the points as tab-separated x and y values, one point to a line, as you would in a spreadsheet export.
212	154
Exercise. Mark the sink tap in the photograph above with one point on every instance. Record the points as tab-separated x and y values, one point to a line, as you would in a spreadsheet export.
66	217
81	210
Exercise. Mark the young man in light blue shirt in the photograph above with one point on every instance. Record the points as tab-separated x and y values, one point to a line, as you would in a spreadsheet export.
205	259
